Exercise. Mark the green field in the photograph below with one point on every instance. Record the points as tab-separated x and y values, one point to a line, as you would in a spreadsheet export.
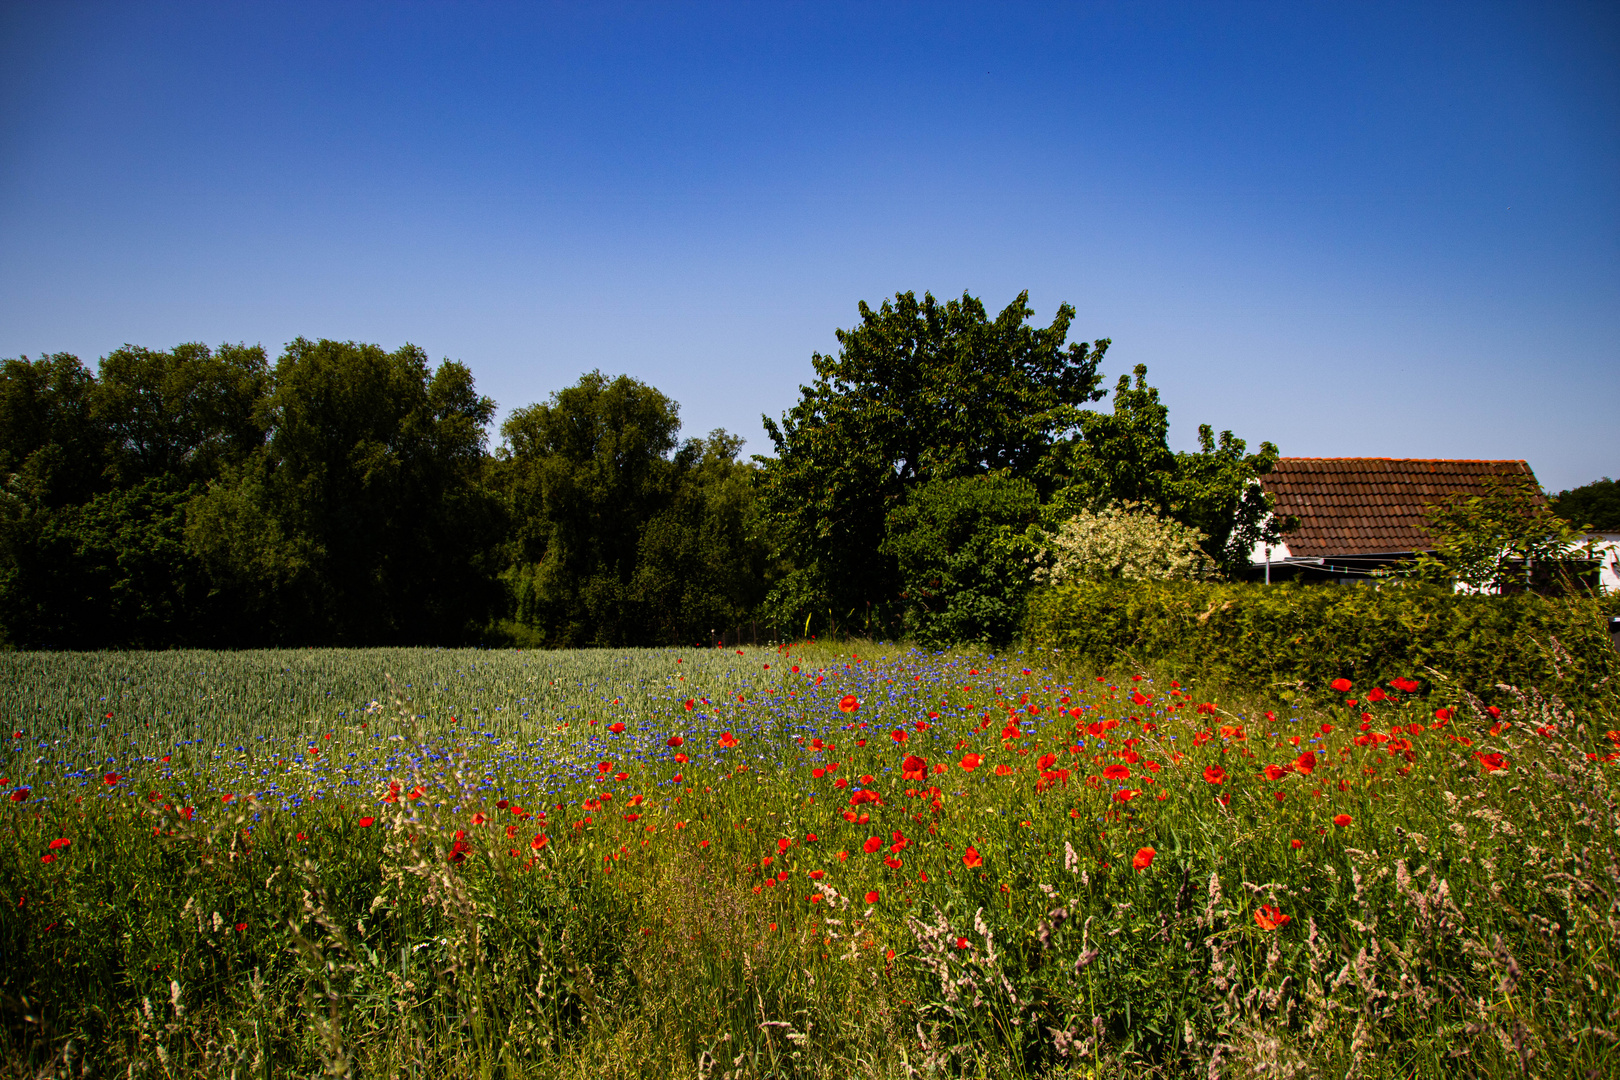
810	861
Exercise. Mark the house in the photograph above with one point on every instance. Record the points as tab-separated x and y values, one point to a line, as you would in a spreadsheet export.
1358	516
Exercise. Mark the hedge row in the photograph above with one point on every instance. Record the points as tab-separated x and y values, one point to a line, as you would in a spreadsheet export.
1292	640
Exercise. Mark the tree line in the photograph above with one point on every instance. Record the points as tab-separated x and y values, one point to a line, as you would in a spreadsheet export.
346	495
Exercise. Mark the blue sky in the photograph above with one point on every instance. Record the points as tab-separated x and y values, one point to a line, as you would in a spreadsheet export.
1352	229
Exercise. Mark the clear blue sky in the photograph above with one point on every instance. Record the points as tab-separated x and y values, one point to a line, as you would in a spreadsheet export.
1353	229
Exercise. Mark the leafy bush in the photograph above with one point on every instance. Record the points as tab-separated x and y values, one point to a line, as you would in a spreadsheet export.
1293	637
1126	543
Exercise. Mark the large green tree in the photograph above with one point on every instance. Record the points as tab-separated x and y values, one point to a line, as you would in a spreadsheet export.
1124	457
364	517
1595	505
920	391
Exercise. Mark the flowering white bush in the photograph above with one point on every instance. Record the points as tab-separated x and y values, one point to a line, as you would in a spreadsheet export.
1126	542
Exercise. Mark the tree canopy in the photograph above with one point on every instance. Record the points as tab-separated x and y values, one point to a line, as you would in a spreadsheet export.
919	391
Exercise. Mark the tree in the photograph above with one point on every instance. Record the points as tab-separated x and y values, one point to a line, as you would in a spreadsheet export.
363	518
182	413
1498	540
584	473
1124	457
962	578
920	391
1591	506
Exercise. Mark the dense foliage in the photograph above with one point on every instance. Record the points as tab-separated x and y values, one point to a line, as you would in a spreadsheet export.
1595	505
793	863
1292	639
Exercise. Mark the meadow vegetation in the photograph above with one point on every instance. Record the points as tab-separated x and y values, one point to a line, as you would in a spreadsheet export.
817	860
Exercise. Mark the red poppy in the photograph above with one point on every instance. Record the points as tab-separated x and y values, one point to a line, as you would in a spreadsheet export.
871	897
1492	762
48	858
971	762
20	795
241	927
1214	774
1341	685
674	741
872	844
1117	772
1126	794
690	704
1296	844
1442	714
849	703
961	943
1306	762
617	728
728	740
367	822
1143	858
1270	918
972	860
1003	770
913	768
1275	772
58	845
1341	820
539	842
110	778
817	875
898	735
186	812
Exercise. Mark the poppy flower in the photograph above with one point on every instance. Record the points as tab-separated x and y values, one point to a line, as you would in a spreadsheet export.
1340	685
1269	918
674	741
20	795
1126	794
690	704
1003	770
1117	772
1442	714
241	927
367	822
58	845
48	858
616	728
817	875
1143	858
1214	774
972	860
971	762
1275	772
849	703
110	778
1296	844
478	818
1492	762
872	844
1341	820
1305	763
961	943
871	897
186	812
898	735
728	740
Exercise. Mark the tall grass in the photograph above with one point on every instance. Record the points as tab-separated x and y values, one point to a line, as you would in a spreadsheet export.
298	869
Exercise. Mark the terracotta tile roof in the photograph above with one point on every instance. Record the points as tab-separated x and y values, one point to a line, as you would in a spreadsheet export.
1367	506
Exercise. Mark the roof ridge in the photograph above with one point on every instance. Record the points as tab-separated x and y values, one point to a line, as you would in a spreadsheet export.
1468	461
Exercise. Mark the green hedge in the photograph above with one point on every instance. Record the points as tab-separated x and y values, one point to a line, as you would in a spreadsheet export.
1292	640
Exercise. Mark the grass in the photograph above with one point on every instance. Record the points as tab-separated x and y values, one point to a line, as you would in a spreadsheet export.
279	864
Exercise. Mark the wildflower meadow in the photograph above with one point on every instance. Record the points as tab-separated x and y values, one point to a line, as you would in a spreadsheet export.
809	860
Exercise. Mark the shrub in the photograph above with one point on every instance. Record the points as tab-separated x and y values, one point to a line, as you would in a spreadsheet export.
1291	637
1124	542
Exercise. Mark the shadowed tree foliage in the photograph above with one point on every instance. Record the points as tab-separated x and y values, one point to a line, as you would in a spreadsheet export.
363	517
620	535
1595	505
920	391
